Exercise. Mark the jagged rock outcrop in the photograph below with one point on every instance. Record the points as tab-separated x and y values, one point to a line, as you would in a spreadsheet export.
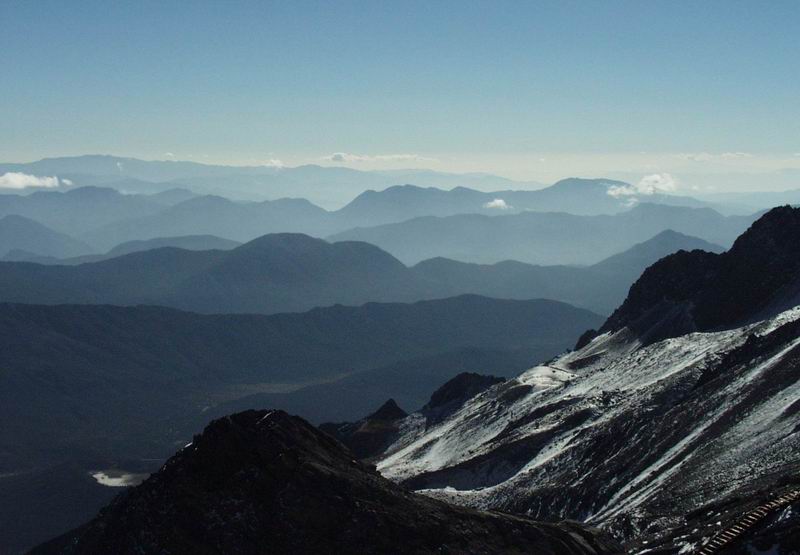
369	436
266	482
700	291
660	436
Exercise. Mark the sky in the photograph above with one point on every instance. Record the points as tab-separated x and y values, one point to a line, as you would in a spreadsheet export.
529	90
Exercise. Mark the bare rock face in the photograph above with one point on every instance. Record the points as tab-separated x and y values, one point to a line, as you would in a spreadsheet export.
700	291
266	482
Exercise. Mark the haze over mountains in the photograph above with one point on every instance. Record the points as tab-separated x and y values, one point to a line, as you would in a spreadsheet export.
543	238
138	308
327	186
293	272
668	440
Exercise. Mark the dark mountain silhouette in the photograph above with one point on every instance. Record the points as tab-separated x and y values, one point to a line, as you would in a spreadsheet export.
688	291
266	482
19	234
112	373
275	273
370	435
543	238
290	272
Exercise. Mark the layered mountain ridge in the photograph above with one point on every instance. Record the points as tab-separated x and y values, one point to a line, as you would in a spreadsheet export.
294	272
664	441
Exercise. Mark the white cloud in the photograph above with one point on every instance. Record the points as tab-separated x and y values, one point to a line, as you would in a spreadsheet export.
647	185
498	204
67	182
14	180
274	163
735	155
344	157
708	157
169	155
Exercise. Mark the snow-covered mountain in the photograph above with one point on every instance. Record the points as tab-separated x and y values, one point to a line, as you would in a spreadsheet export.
665	439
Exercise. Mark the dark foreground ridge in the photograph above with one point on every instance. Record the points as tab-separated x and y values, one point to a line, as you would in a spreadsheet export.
266	482
701	291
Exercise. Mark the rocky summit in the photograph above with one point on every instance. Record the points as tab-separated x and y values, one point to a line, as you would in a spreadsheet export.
266	482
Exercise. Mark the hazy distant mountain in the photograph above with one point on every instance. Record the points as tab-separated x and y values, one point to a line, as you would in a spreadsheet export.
212	215
186	242
600	287
632	262
543	238
292	272
173	196
18	233
330	186
79	210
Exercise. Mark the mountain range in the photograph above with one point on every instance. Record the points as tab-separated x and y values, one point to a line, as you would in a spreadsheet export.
667	427
543	238
329	186
97	387
293	272
18	233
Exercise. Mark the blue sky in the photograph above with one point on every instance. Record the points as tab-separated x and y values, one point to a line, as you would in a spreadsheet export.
533	90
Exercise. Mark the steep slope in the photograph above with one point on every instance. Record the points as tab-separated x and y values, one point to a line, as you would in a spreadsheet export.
660	441
543	238
266	482
18	233
757	278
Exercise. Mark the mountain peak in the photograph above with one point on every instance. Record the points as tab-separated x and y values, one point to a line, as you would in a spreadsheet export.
265	481
388	411
687	291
